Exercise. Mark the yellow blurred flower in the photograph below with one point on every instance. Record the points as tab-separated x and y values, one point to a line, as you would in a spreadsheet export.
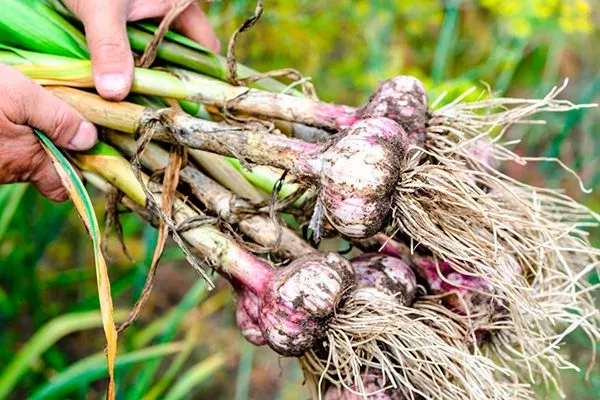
544	9
520	27
583	7
510	7
566	24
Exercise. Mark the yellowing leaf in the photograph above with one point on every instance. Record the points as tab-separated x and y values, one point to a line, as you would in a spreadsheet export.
85	209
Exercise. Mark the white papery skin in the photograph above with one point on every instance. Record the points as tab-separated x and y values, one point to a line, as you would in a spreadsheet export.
300	298
359	174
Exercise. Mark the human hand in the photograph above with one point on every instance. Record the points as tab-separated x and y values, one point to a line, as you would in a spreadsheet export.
23	105
104	22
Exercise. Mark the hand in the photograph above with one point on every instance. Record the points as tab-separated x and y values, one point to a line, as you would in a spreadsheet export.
104	22
24	104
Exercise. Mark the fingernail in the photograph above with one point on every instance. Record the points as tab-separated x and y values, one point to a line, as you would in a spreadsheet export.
113	85
85	137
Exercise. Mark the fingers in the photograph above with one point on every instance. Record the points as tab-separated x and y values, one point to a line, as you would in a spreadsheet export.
27	103
47	181
194	24
63	125
105	27
112	61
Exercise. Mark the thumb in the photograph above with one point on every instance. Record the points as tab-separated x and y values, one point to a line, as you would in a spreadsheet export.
63	125
112	61
28	104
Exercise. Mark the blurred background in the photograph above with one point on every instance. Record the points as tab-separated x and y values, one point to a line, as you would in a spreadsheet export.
185	344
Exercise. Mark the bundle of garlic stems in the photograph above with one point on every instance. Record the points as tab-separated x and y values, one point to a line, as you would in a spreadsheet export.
307	307
469	279
359	176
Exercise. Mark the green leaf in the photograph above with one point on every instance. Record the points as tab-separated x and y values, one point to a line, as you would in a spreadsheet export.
33	25
167	328
10	197
242	382
15	56
196	376
43	339
94	367
85	208
176	365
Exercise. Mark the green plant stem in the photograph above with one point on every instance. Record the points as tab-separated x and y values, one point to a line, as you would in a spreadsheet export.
220	201
298	157
266	178
204	62
187	85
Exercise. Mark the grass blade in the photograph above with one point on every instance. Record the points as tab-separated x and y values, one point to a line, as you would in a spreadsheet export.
43	339
10	196
85	209
178	362
242	382
445	41
93	367
195	376
33	25
168	328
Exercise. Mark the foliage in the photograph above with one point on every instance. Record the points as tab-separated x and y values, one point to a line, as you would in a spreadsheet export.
185	334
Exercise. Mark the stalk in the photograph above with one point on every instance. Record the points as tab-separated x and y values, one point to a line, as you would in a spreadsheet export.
295	301
44	26
55	70
187	85
224	172
266	178
403	98
357	173
217	166
202	61
259	147
208	242
221	201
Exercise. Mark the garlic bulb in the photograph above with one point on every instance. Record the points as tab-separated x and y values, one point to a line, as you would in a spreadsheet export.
359	174
300	298
403	99
387	274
